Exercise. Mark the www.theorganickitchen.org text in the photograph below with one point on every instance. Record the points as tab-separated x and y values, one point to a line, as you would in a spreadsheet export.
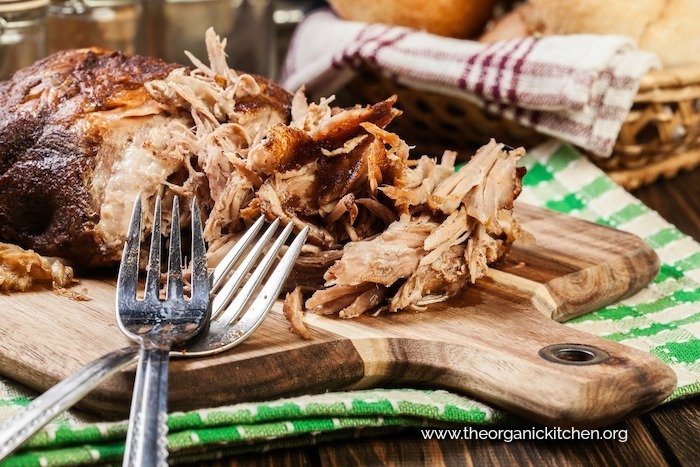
527	434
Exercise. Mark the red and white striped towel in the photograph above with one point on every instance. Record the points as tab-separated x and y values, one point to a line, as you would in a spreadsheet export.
577	88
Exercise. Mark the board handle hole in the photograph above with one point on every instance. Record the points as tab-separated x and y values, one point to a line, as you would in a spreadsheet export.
574	354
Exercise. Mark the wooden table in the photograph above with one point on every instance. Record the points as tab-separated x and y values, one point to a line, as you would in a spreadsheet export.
669	435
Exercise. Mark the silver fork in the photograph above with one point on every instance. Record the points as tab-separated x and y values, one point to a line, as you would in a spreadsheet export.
157	325
225	330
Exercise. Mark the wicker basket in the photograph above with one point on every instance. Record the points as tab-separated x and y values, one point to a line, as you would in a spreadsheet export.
660	136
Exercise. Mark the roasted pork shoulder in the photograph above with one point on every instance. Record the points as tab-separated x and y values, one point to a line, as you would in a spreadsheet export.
84	132
80	138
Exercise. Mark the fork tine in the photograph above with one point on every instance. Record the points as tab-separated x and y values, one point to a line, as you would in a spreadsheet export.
153	274
244	295
129	267
224	267
224	296
222	335
200	275
175	256
263	303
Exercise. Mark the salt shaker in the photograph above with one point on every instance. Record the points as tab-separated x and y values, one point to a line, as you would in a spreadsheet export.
22	34
110	24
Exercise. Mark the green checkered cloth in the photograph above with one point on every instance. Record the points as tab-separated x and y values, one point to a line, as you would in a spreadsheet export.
663	319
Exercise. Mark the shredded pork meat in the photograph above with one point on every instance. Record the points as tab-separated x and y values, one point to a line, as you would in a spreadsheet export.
453	227
293	310
386	231
20	269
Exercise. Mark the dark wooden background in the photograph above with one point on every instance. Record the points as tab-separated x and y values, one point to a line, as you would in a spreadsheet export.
668	435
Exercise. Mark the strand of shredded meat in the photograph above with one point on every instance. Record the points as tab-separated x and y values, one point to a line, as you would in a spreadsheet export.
20	268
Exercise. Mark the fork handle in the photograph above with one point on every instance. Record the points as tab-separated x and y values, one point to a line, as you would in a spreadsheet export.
146	442
27	421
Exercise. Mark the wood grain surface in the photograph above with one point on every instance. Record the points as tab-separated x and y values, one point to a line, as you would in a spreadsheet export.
664	436
484	452
484	342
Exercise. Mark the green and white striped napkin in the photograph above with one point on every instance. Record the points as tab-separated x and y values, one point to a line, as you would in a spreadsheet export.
663	319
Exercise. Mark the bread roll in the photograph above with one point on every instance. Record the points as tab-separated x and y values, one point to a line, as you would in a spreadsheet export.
667	27
597	16
453	18
675	34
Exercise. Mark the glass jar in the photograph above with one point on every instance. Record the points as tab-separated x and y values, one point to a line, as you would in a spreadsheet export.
110	24
173	26
22	34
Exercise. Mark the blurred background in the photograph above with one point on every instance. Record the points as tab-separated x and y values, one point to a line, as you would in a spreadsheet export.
660	134
258	31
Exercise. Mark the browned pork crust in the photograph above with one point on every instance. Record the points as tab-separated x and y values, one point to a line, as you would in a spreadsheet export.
67	125
48	146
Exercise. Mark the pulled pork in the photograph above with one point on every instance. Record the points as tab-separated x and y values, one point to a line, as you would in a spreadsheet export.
452	227
20	268
386	231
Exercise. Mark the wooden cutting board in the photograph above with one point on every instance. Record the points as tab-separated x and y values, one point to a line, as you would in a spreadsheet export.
492	342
